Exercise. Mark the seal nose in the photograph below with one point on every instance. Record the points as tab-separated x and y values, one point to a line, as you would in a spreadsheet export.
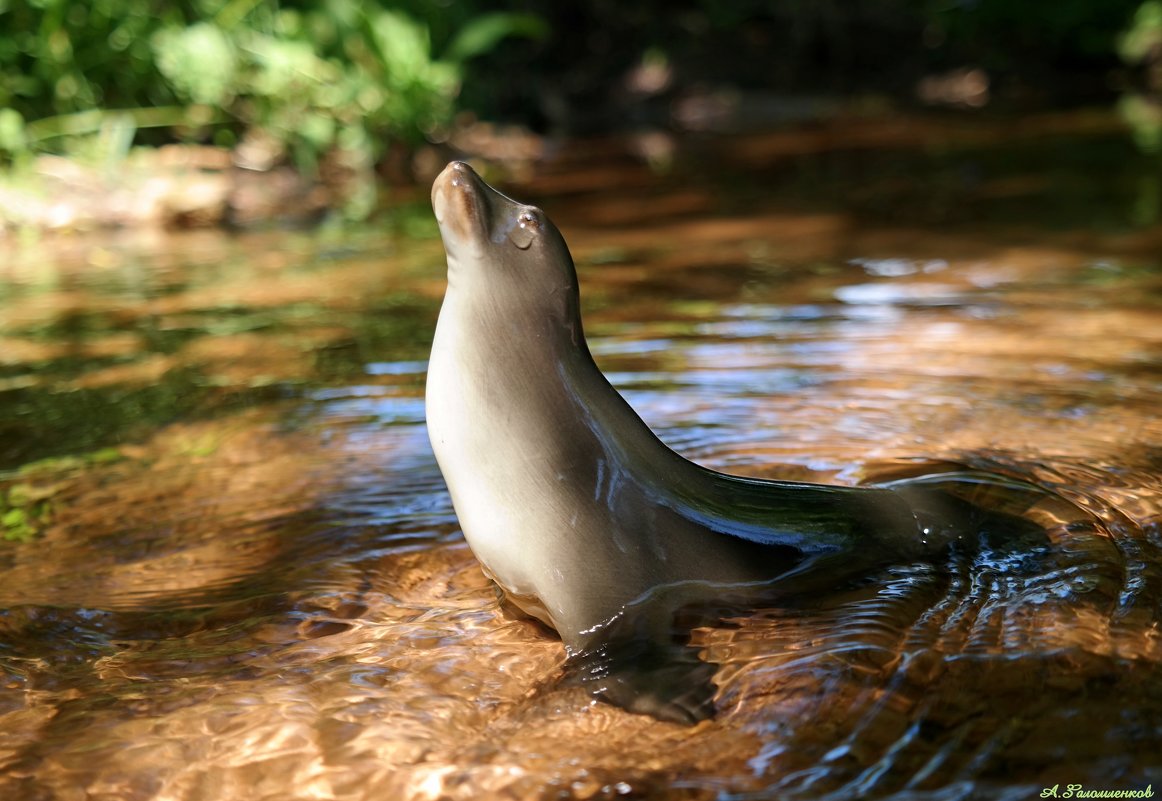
460	202
456	174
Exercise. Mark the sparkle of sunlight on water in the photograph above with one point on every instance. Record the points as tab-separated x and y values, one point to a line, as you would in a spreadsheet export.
234	571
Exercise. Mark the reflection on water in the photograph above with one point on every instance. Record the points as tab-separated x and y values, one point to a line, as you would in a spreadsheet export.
239	574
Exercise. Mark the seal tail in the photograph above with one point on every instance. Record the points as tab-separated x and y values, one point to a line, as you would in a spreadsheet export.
970	506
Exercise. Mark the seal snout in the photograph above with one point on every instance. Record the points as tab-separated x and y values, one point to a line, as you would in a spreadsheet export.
458	202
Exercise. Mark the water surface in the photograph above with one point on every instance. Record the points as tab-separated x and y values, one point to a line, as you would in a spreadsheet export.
233	569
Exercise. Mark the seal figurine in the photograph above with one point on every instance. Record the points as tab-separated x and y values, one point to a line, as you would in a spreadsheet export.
575	508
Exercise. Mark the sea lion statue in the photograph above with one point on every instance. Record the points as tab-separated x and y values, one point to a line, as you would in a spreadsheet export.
581	515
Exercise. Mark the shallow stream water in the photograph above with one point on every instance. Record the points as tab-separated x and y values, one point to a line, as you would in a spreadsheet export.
232	569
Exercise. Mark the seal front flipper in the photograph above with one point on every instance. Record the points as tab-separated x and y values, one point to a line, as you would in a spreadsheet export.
640	659
665	680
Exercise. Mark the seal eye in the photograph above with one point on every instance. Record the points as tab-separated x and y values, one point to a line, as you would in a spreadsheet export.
528	225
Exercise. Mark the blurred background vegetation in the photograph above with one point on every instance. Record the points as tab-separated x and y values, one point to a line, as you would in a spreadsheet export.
311	76
354	82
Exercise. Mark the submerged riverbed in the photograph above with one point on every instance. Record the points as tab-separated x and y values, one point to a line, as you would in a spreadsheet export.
231	569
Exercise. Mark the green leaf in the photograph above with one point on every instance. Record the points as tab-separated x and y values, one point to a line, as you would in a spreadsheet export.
287	71
28	494
318	130
199	62
106	456
1144	34
17	526
403	44
50	465
12	136
484	33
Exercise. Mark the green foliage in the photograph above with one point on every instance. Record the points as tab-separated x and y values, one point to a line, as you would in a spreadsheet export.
1143	115
26	505
1141	44
16	526
484	33
60	57
342	75
1143	39
12	136
198	62
25	510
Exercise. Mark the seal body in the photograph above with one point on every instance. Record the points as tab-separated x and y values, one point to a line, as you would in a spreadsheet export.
577	510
